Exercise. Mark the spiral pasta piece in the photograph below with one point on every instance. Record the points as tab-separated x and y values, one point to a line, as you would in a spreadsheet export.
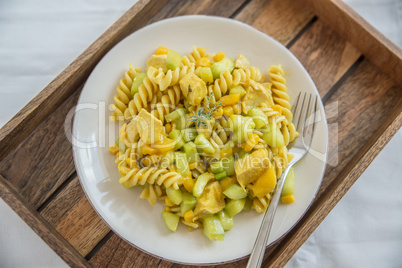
164	80
152	193
196	55
152	175
123	96
279	90
141	99
222	85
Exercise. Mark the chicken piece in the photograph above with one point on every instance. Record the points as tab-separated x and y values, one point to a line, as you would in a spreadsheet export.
193	88
256	94
211	200
149	127
251	167
157	61
242	62
132	131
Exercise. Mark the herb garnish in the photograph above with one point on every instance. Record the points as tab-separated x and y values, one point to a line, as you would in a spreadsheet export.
204	114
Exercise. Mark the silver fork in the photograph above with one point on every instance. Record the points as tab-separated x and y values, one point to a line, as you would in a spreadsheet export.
304	111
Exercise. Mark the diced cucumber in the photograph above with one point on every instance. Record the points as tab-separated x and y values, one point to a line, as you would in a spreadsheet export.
187	203
235	192
190	149
139	77
228	164
181	163
289	185
175	135
200	183
259	118
204	144
234	207
189	134
174	195
168	159
273	136
242	154
173	60
171	220
238	90
206	75
219	67
221	175
175	115
248	204
216	167
226	221
181	122
213	228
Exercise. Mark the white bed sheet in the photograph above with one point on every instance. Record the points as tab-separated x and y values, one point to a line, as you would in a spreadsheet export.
38	39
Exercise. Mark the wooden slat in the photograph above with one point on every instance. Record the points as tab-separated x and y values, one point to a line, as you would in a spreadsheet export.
71	214
40	225
374	45
325	55
281	19
364	101
118	253
49	99
43	161
370	107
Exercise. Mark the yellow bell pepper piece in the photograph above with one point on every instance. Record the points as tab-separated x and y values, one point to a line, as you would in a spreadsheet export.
162	50
249	144
114	149
204	62
265	183
287	199
231	99
188	184
219	56
189	216
226	152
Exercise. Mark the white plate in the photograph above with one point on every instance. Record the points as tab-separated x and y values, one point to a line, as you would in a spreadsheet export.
134	219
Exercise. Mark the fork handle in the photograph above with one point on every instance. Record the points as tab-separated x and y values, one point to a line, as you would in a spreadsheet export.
257	254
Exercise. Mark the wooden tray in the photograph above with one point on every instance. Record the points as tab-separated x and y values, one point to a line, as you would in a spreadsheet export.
358	73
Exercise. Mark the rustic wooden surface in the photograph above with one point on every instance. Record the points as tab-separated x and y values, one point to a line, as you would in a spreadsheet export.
363	102
374	45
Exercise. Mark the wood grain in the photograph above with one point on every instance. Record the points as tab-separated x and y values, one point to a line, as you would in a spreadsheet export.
55	240
374	45
325	55
50	98
118	253
43	161
71	214
281	19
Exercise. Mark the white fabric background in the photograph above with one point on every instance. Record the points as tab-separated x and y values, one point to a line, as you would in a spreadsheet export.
38	39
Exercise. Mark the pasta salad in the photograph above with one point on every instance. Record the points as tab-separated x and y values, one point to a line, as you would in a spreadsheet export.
205	134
